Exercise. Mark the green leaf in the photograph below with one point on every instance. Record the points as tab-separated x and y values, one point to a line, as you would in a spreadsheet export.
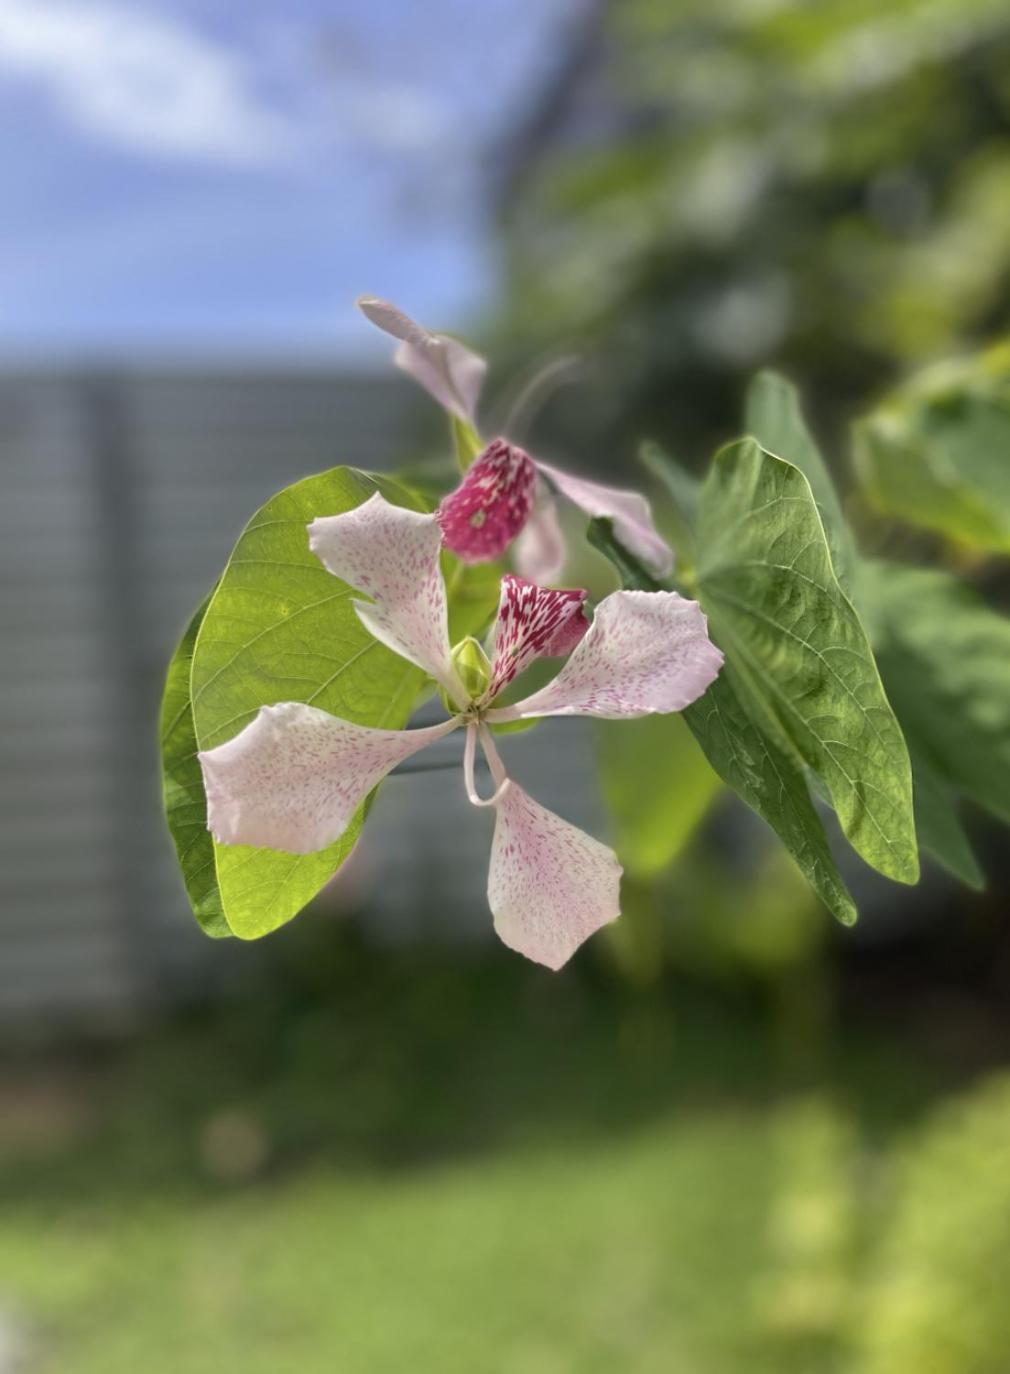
658	786
946	658
767	778
473	590
773	415
683	490
797	650
279	627
747	757
935	453
600	534
466	441
939	827
182	786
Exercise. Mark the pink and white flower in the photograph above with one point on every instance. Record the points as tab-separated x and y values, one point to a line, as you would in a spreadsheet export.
507	494
295	776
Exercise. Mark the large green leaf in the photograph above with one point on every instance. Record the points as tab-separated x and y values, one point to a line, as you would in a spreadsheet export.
182	784
279	627
749	758
797	650
937	453
946	658
657	785
773	415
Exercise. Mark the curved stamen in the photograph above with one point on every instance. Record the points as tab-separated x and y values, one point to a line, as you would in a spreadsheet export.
494	763
537	389
493	758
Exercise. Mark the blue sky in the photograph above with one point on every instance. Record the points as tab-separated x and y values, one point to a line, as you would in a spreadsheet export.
212	176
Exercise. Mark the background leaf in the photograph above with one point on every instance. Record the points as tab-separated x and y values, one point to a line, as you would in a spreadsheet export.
657	785
279	627
935	453
682	488
937	822
946	657
798	651
182	785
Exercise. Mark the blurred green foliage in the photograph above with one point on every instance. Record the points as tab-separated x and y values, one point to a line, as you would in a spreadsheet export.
719	185
935	454
369	1160
936	1299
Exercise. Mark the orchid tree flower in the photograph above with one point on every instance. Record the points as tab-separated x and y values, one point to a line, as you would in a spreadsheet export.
507	494
293	778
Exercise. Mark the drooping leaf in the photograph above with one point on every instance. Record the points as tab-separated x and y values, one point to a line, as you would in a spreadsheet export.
279	627
749	759
935	453
182	787
657	785
798	651
773	415
946	657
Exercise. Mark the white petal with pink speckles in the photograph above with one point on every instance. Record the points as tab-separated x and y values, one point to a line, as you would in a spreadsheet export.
532	622
539	551
392	554
645	652
629	510
294	777
447	369
550	885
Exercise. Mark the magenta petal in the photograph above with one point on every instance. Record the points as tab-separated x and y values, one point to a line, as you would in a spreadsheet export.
294	777
392	554
645	652
447	369
550	885
532	622
490	506
629	510
539	551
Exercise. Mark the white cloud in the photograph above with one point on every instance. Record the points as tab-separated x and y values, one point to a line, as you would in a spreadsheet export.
136	78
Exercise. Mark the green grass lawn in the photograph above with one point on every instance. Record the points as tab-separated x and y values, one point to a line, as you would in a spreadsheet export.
455	1170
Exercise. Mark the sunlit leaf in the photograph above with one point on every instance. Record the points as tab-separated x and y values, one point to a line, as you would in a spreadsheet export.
773	415
657	785
182	785
798	651
279	627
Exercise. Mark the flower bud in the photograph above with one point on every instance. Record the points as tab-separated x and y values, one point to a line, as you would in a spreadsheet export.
473	666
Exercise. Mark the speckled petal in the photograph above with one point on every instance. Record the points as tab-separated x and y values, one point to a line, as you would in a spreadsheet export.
550	885
392	554
539	551
629	510
294	777
491	505
645	652
447	369
532	622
